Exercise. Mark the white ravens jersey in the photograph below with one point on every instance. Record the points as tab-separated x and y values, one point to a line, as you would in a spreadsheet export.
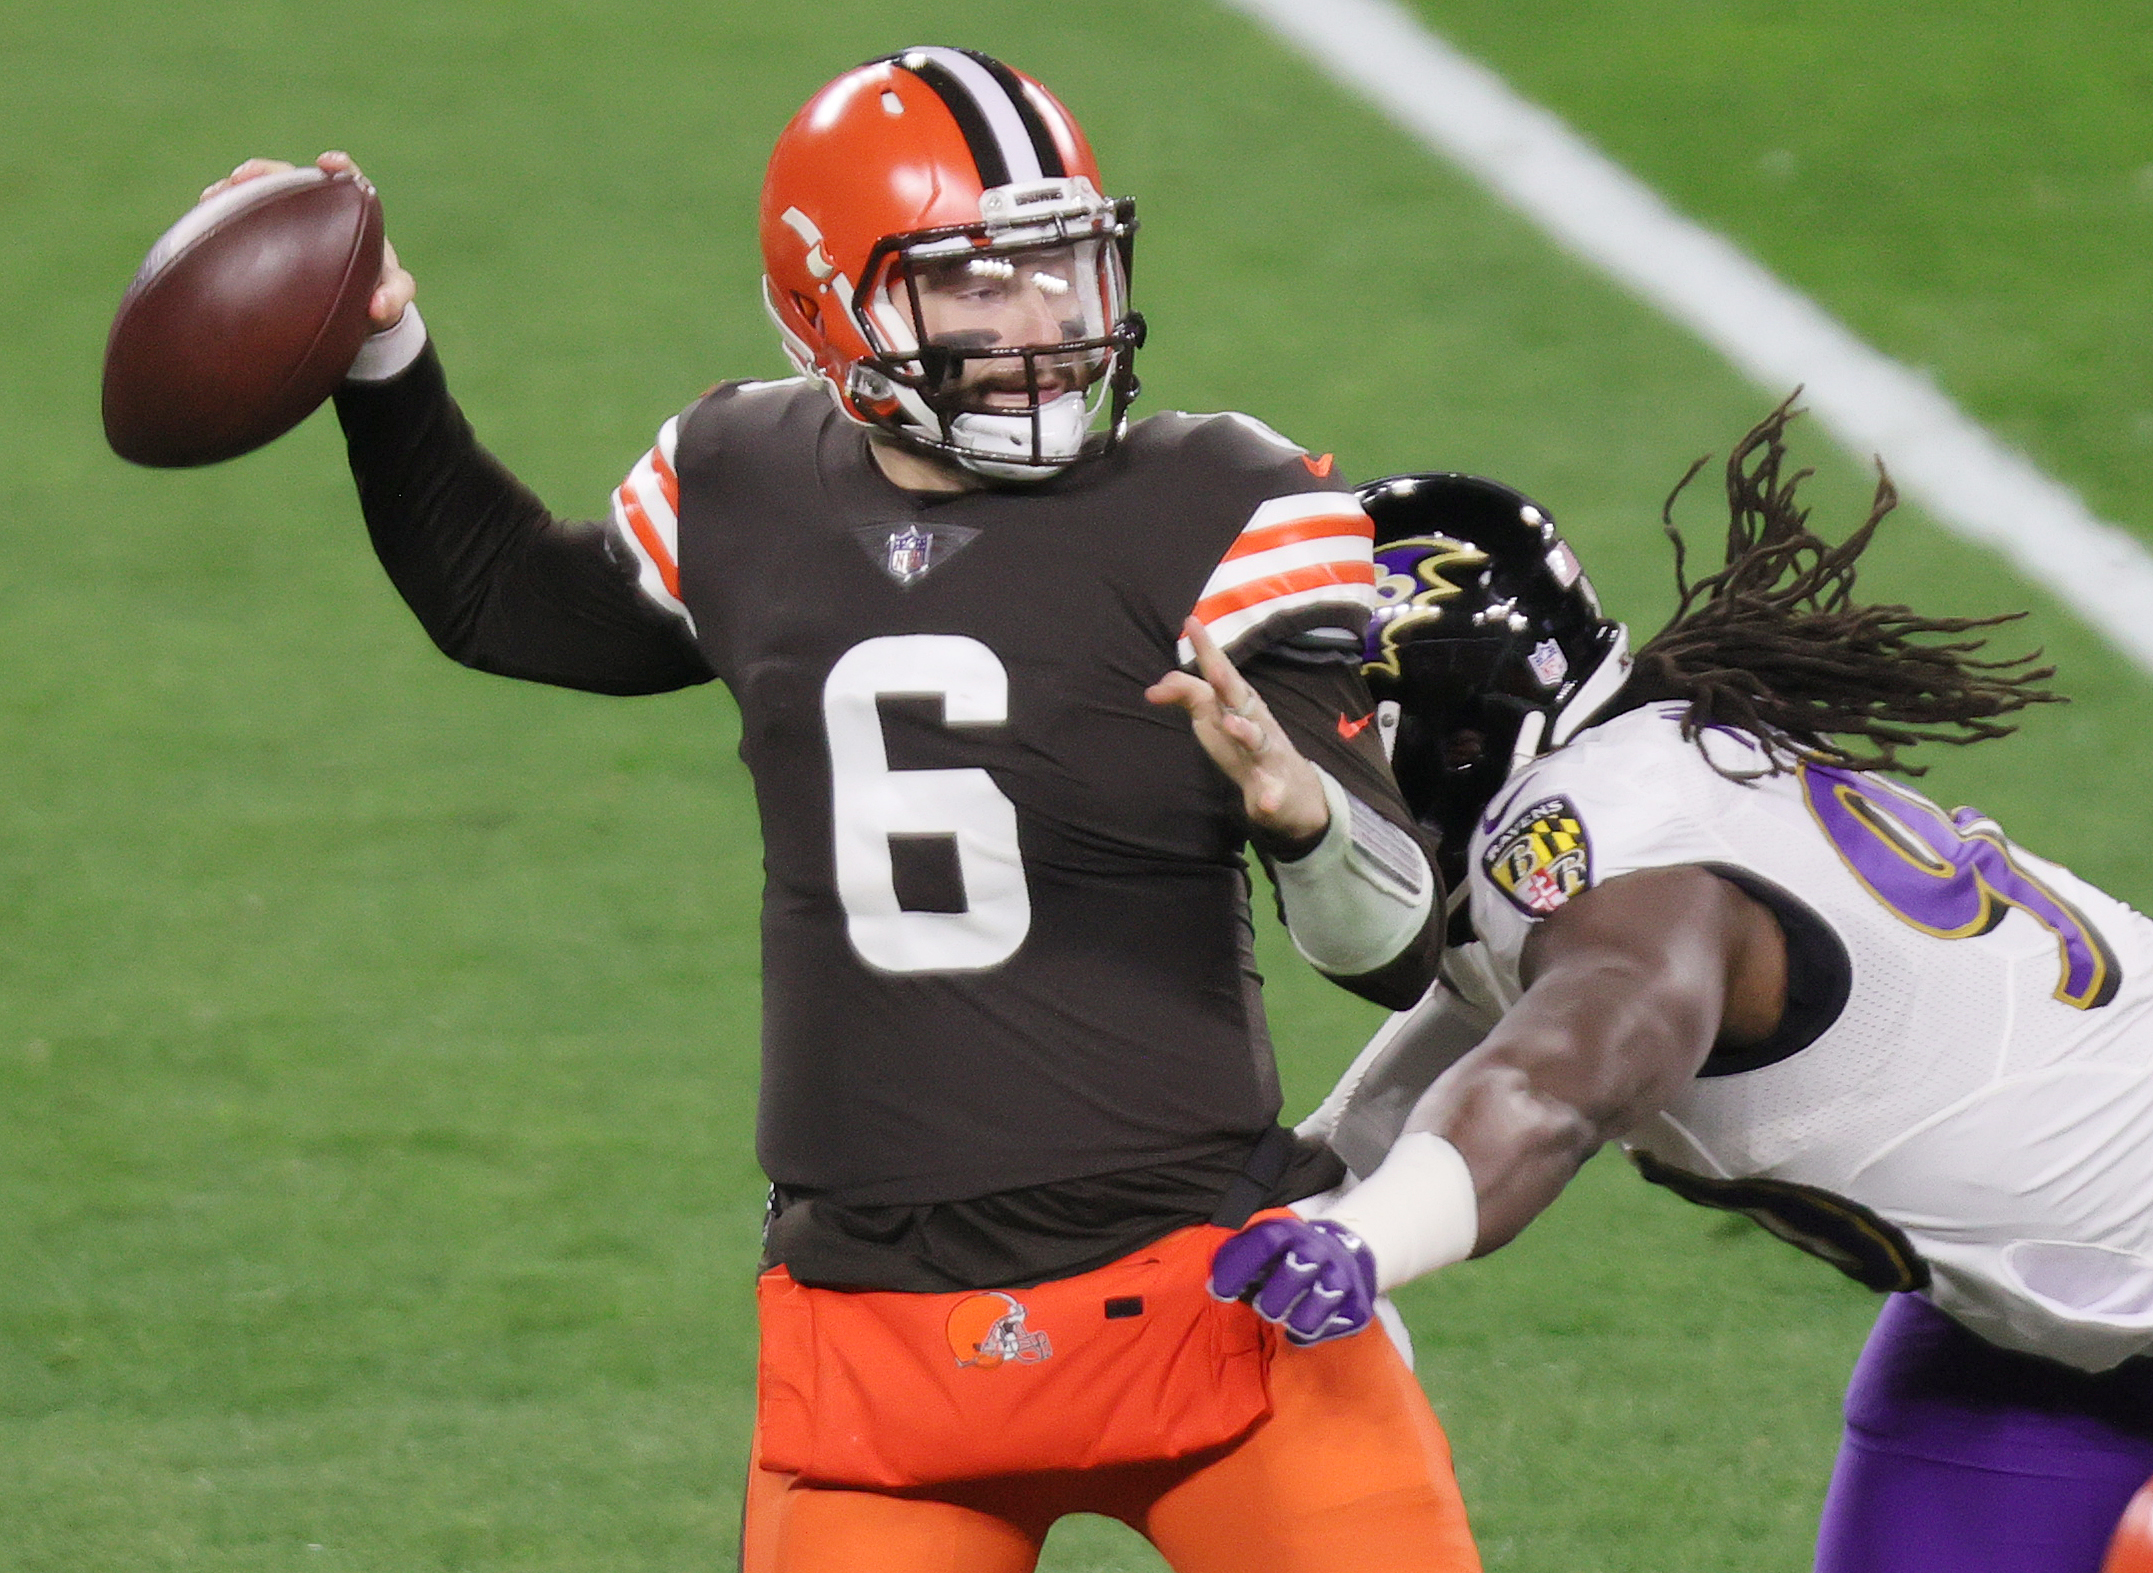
1966	1067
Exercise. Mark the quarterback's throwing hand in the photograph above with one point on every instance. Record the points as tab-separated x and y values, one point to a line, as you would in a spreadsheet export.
1316	1278
1280	791
393	290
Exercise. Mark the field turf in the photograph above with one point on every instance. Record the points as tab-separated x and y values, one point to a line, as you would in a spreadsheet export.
377	1039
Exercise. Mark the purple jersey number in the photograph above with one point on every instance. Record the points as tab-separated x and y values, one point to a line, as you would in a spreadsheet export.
1951	877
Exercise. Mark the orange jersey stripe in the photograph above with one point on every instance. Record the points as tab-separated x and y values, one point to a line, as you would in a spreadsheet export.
1295	530
1213	607
669	483
639	521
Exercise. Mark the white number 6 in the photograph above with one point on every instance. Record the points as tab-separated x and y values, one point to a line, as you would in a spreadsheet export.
870	803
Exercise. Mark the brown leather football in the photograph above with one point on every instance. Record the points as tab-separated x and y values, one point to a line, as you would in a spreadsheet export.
243	318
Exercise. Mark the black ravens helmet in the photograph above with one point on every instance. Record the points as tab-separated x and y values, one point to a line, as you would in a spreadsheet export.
1487	638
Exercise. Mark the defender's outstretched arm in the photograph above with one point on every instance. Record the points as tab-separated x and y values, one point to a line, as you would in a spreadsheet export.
1628	987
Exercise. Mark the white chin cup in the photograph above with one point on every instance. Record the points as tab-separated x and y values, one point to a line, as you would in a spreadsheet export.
1000	446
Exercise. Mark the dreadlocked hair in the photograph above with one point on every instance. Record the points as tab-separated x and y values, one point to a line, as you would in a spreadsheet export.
1775	645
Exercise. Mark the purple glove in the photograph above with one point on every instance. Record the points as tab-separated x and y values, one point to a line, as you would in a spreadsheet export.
1316	1279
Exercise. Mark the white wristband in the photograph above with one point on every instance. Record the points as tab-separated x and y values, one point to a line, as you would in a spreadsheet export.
1416	1213
388	352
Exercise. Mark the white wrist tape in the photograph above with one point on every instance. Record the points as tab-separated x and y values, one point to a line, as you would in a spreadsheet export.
1417	1212
388	352
1355	901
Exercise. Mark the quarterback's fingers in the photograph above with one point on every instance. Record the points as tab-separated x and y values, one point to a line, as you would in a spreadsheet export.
1253	726
392	292
1244	729
395	288
1192	694
1232	688
248	169
1242	714
1213	719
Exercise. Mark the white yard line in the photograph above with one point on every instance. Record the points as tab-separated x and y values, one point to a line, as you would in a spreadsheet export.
1964	477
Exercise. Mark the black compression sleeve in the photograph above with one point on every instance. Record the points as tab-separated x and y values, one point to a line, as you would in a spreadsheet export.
1324	706
496	580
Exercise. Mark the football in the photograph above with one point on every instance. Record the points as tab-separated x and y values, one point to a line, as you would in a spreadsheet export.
2132	1550
242	319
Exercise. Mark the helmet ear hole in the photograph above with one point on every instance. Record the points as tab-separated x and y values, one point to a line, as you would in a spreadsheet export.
808	307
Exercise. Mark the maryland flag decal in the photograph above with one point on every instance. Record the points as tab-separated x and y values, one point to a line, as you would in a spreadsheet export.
1542	859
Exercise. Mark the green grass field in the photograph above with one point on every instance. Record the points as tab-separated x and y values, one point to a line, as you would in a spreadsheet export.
377	1039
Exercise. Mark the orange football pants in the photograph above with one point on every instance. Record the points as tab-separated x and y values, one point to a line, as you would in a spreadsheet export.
1349	1474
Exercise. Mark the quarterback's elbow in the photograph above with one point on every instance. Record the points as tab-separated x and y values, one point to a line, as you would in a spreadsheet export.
1401	982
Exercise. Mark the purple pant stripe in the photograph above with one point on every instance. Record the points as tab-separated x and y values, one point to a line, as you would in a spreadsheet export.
1963	1458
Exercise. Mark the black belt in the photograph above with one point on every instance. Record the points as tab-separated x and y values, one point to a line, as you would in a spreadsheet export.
1259	1177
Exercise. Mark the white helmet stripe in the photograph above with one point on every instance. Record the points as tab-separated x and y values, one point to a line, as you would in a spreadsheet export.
1019	158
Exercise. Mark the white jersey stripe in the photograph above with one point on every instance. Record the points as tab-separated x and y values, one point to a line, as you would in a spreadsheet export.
1300	550
1353	601
643	517
1303	505
1237	571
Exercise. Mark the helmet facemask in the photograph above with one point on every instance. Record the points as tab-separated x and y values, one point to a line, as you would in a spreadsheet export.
1456	736
1002	344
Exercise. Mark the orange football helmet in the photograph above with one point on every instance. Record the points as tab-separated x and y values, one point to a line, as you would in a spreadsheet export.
987	1329
937	250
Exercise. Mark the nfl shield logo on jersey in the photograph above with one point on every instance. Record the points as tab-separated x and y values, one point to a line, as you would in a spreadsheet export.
906	552
1542	859
909	552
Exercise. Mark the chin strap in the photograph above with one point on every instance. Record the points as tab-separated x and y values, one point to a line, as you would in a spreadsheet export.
1001	446
1527	747
1594	693
1542	732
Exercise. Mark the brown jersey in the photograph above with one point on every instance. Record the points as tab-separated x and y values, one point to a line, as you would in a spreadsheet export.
1005	927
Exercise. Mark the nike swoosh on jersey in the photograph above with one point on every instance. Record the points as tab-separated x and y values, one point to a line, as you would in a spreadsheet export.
1319	468
1349	730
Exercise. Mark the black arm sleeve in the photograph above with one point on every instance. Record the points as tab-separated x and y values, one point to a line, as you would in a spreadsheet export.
1324	706
496	580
